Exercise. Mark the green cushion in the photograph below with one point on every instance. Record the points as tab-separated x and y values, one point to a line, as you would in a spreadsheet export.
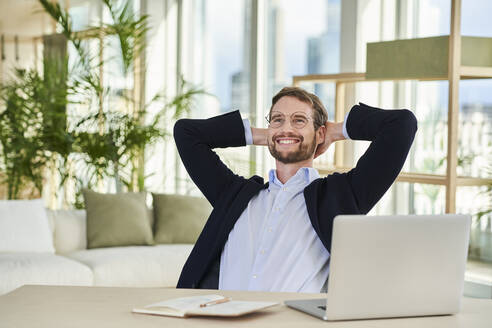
117	219
179	219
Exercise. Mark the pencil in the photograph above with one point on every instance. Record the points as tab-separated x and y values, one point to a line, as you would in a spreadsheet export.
223	300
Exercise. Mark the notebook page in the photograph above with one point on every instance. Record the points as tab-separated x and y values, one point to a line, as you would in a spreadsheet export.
185	303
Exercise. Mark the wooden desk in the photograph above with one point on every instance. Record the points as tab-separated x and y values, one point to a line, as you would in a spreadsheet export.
91	307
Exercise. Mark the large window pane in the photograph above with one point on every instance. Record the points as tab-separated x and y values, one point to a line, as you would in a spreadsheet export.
475	129
475	124
434	17
429	100
428	153
475	18
216	54
301	40
411	198
429	104
216	57
476	201
84	13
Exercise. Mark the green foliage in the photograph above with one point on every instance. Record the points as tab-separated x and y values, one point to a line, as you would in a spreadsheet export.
110	140
126	136
32	127
21	159
130	29
488	196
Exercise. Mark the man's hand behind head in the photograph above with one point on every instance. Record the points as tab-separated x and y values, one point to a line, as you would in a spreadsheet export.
333	132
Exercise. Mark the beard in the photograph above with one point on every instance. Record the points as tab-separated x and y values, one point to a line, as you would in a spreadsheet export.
304	151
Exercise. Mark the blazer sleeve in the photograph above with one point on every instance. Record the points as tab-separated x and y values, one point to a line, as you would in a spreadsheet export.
195	139
391	133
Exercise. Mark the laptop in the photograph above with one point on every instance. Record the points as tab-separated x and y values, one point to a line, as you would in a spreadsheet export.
393	266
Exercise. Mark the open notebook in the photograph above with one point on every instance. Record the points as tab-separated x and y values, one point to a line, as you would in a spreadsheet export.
203	305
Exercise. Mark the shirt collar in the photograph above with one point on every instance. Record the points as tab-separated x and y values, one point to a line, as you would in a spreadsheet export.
303	177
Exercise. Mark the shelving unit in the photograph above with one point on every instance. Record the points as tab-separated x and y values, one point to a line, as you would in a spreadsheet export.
456	71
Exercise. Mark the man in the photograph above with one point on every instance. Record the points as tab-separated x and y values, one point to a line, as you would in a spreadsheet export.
277	236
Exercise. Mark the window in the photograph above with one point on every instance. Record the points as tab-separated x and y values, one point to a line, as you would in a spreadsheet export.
381	20
300	40
197	40
215	54
303	40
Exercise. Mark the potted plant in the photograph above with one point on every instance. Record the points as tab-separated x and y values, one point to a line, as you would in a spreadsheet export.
105	142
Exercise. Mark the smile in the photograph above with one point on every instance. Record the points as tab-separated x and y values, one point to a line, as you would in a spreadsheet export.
286	141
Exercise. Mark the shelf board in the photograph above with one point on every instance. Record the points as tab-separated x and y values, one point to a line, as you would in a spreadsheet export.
324	78
475	72
354	77
433	179
469	181
467	72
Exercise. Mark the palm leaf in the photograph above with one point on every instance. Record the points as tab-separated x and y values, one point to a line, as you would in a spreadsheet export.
131	30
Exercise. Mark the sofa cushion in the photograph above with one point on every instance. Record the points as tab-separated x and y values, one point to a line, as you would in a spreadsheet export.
179	219
135	266
70	230
24	227
17	269
117	219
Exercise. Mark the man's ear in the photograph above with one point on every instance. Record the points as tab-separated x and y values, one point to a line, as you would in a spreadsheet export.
320	135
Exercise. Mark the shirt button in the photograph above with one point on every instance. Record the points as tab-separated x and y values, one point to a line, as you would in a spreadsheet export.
285	188
254	276
270	229
262	251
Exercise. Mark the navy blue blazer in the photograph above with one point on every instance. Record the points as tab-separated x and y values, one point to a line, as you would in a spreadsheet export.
391	133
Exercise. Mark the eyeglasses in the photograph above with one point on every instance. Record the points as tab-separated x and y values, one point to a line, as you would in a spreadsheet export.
298	120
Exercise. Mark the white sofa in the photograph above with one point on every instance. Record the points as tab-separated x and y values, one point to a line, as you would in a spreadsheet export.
74	264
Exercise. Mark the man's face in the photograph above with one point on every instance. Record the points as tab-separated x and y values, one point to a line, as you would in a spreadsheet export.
287	143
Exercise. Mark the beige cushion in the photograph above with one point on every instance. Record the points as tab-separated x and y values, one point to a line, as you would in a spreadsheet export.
117	219
70	230
179	219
